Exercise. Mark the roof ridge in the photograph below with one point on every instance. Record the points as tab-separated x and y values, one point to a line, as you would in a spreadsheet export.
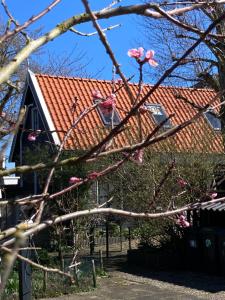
130	83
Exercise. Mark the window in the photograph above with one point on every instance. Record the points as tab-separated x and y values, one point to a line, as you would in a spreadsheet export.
212	119
107	114
35	119
158	114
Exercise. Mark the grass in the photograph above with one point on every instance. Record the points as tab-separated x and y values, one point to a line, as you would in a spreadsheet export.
57	285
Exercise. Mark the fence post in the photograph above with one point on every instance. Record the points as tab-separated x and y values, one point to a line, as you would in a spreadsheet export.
94	273
63	265
75	270
101	261
45	278
129	236
107	236
121	238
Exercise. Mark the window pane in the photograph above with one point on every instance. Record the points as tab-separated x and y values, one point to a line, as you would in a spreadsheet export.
213	120
107	114
158	114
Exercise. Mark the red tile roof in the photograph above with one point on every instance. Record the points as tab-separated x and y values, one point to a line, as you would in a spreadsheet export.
60	92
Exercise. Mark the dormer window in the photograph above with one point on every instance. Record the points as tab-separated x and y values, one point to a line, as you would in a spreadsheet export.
109	115
212	119
158	114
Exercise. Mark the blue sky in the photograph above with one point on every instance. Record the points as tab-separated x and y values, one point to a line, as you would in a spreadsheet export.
121	39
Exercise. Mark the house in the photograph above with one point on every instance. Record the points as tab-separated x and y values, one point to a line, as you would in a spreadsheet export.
50	104
53	102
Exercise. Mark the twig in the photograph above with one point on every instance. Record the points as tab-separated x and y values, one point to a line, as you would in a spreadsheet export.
108	49
52	270
95	32
33	19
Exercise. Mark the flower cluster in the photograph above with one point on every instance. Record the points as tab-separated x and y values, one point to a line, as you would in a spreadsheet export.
182	221
107	103
138	54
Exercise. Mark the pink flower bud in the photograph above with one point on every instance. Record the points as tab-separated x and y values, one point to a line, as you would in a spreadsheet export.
138	156
73	180
185	224
149	58
96	94
213	195
93	175
136	53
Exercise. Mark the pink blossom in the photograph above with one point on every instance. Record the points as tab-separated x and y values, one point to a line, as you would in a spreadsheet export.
93	175
136	53
181	182
33	135
182	222
3	114
73	180
96	94
138	156
213	195
149	58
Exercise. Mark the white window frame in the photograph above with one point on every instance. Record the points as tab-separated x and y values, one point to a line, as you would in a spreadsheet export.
162	110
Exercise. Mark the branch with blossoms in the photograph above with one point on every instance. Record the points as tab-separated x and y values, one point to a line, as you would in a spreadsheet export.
133	153
30	229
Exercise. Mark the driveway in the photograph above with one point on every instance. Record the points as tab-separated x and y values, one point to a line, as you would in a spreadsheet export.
129	283
124	286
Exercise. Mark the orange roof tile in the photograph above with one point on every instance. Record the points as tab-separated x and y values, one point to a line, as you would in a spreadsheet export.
60	92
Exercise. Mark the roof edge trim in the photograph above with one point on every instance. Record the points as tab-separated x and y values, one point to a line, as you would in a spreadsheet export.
44	108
